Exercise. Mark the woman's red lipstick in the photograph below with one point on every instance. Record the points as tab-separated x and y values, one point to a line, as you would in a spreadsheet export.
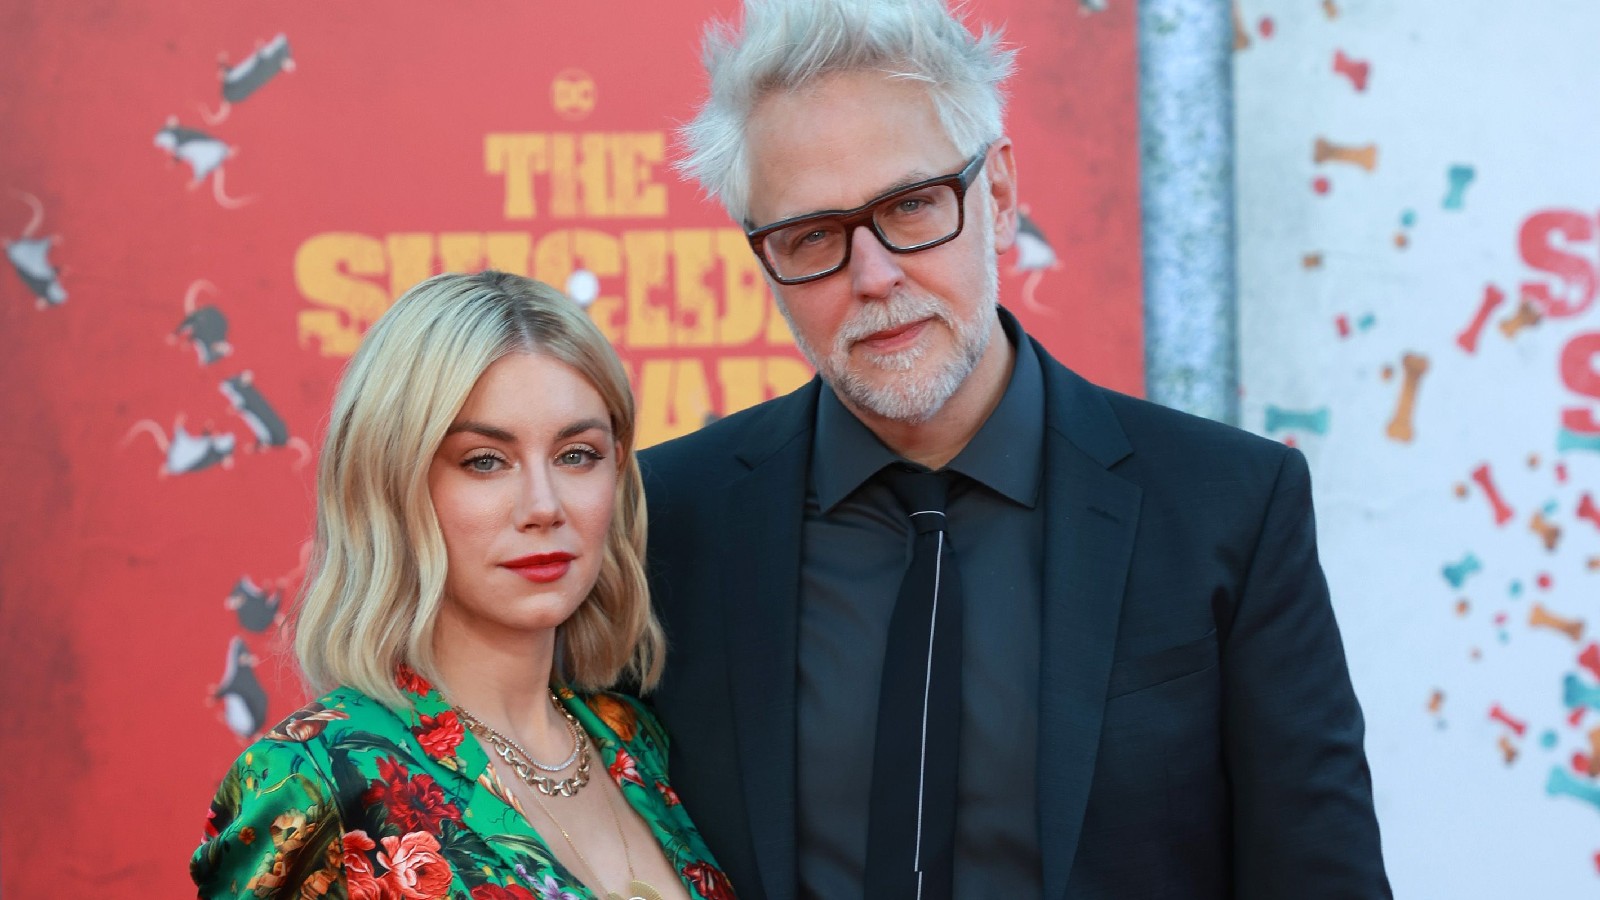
541	568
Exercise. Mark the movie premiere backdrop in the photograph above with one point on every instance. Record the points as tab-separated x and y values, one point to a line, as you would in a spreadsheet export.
205	205
1418	261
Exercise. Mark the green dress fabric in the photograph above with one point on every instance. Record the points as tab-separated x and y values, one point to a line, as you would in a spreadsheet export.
348	798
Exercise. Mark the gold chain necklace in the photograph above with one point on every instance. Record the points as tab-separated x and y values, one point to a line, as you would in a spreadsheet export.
636	890
523	763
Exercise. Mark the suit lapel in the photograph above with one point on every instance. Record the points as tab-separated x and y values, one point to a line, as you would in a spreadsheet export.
1091	521
764	509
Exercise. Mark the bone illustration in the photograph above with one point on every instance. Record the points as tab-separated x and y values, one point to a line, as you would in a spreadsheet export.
238	82
1497	713
1567	440
1436	701
1356	70
1587	510
205	327
184	452
1314	420
1241	35
29	255
204	155
1330	9
1400	426
1589	659
1341	323
1311	261
1508	750
1485	481
1549	532
1365	155
1574	693
1458	572
1459	177
1492	298
1565	784
1526	316
1592	764
1539	617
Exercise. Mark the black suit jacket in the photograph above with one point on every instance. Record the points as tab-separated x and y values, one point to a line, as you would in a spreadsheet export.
1198	734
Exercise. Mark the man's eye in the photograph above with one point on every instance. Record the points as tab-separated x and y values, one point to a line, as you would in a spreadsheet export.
809	239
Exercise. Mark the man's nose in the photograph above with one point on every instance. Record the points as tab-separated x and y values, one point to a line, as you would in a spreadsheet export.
874	271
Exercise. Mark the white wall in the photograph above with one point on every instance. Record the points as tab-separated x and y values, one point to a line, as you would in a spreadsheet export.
1513	91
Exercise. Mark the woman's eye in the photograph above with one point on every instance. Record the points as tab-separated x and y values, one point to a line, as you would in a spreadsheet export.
484	462
578	456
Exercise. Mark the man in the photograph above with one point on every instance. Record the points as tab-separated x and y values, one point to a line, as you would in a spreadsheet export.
1140	690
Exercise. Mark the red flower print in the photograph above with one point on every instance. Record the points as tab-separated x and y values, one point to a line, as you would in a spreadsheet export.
439	736
501	892
415	802
709	881
416	870
408	680
668	794
625	769
360	881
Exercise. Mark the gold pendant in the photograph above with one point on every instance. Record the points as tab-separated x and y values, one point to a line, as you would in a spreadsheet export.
637	890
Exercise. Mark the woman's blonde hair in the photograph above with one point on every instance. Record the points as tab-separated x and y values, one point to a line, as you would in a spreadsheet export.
378	564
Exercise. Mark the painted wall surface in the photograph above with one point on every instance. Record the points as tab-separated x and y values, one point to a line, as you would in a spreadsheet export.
186	278
1418	251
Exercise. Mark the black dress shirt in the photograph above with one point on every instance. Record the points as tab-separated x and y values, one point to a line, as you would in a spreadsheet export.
856	545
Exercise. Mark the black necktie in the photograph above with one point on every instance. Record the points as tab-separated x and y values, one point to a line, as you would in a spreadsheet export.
911	830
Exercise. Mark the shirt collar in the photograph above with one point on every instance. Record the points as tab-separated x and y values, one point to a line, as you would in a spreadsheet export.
1005	455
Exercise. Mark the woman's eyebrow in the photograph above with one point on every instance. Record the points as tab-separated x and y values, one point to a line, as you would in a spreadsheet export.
488	431
582	425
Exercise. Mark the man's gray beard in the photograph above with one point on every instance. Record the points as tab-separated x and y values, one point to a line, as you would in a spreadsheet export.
911	400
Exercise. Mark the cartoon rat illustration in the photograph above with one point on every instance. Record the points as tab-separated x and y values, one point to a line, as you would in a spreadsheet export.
244	701
268	426
30	256
258	608
204	155
205	326
1034	256
244	79
261	607
186	452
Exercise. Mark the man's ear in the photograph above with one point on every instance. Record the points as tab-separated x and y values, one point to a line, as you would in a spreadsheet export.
1001	177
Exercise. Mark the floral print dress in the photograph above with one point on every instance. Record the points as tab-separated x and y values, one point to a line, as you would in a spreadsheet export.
348	798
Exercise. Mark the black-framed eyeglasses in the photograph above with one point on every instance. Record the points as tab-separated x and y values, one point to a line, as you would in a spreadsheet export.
906	220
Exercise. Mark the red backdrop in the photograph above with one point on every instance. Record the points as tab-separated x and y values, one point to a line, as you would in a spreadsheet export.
410	137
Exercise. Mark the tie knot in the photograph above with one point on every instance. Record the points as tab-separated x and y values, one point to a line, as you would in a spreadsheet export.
922	494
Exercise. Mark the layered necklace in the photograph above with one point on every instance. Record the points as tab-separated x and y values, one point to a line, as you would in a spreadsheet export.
528	769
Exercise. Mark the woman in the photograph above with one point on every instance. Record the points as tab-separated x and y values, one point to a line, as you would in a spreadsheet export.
480	533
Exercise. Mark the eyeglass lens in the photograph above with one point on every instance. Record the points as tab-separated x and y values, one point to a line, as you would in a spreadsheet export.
902	221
